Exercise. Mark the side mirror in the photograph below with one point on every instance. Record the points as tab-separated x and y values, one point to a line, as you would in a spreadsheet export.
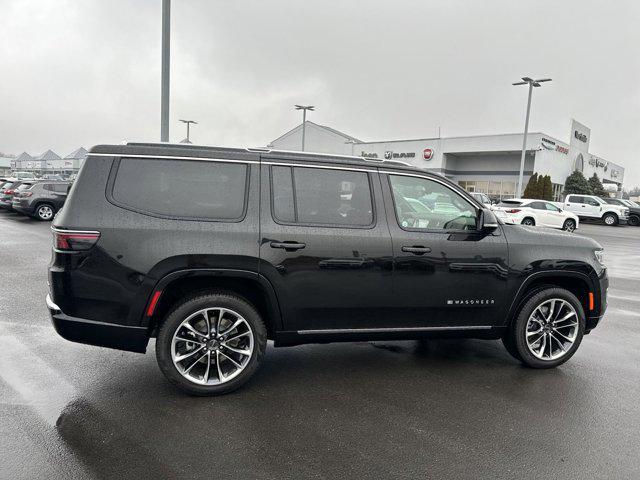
486	220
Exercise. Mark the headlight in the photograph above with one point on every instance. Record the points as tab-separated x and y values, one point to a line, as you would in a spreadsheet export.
600	256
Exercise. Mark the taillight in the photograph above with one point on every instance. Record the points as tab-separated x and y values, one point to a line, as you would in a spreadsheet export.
9	192
513	210
74	240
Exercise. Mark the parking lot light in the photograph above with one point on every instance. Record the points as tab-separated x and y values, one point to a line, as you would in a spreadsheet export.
532	83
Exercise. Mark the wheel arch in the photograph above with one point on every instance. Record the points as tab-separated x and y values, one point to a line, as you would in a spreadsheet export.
250	285
577	283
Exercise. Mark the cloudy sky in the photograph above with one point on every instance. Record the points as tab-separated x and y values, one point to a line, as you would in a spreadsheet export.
82	72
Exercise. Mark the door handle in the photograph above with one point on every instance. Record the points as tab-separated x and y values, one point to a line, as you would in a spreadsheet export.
417	249
288	246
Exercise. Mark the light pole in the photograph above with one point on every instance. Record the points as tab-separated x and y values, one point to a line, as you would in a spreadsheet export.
188	122
532	83
164	88
304	109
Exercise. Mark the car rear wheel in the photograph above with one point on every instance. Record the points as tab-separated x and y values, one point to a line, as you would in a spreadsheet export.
610	219
211	344
548	329
45	212
569	225
634	220
530	222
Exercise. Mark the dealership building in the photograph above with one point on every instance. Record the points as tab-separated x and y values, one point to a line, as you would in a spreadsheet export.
49	162
484	163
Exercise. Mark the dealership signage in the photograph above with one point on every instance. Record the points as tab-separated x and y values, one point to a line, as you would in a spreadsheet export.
427	153
561	149
368	154
580	136
388	155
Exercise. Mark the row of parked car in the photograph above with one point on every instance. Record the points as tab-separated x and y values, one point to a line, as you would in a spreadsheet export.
565	215
38	198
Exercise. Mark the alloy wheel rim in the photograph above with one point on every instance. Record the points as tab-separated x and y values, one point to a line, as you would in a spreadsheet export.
571	226
212	346
45	212
552	329
609	220
528	223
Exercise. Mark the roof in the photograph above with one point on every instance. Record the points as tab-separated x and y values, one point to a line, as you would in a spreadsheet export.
49	155
79	153
24	156
324	127
251	154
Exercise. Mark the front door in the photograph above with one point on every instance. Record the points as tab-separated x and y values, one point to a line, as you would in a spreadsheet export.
325	246
446	273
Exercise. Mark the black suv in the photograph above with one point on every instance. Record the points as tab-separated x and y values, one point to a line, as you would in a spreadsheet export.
214	251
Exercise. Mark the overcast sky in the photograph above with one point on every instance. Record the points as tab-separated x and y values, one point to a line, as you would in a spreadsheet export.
84	72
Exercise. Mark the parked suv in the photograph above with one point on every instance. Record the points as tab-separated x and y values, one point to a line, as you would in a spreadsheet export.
215	251
8	191
41	200
595	208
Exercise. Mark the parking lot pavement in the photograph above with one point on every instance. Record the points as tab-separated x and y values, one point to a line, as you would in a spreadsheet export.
436	409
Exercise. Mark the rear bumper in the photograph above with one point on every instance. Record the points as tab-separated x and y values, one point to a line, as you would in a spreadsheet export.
90	332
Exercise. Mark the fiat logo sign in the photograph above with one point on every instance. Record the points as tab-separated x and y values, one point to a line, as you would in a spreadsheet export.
427	153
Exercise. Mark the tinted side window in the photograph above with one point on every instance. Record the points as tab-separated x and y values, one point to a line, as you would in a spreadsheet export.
575	199
537	205
48	186
425	204
320	196
61	187
182	188
551	207
591	201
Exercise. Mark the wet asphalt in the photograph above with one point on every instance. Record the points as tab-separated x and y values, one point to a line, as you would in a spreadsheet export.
434	409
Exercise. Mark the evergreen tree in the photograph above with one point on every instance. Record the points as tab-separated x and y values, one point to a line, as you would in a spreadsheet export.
576	183
596	186
547	188
532	188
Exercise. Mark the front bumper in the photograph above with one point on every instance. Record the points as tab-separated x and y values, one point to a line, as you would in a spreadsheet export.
595	317
101	334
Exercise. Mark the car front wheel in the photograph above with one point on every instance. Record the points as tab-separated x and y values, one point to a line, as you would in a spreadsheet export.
211	344
634	220
610	219
548	329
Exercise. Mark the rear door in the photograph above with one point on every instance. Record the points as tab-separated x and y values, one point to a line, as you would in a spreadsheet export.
58	194
575	204
446	274
540	212
325	245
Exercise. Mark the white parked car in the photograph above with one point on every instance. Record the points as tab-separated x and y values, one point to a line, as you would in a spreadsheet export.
535	212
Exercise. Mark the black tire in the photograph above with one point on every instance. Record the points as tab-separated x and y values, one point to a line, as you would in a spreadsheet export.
569	225
517	334
44	212
214	299
634	220
610	219
528	221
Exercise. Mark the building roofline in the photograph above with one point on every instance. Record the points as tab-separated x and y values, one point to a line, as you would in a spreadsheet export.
324	127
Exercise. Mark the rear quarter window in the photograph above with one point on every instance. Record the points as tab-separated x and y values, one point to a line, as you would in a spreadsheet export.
181	189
